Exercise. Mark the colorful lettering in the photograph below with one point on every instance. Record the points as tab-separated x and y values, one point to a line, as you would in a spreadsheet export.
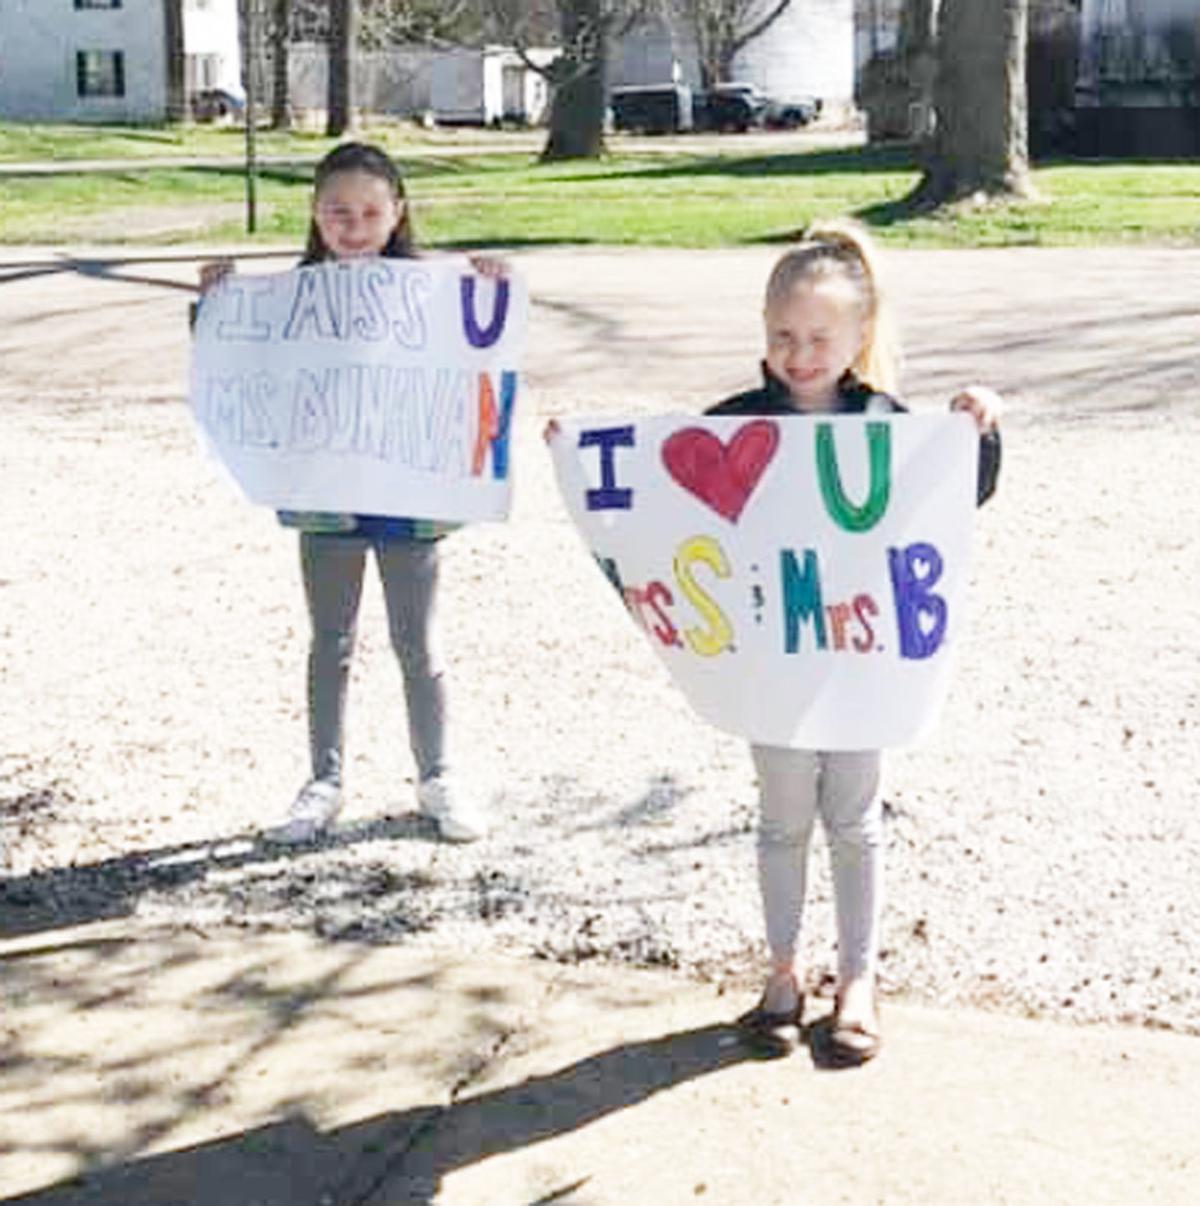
801	598
495	424
920	614
839	617
483	337
839	507
865	606
655	599
718	635
609	497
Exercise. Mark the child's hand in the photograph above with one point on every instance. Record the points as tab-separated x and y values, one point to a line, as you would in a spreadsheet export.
213	273
491	266
982	404
551	431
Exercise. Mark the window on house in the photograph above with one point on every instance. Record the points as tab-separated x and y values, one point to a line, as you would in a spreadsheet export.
203	70
100	73
97	4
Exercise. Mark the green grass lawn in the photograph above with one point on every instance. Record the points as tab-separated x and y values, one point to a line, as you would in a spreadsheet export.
662	197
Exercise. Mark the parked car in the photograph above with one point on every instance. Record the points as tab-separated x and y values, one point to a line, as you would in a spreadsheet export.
211	104
791	114
655	109
738	107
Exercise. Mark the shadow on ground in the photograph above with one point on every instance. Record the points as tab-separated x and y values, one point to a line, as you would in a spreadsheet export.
59	897
404	1157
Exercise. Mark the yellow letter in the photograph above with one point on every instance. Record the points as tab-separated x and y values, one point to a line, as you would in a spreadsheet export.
718	636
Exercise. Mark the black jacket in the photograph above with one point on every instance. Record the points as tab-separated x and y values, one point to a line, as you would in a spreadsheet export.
854	398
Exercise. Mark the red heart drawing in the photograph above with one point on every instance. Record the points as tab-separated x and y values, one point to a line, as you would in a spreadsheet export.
721	475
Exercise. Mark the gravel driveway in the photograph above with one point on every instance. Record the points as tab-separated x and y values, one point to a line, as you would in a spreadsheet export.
1044	850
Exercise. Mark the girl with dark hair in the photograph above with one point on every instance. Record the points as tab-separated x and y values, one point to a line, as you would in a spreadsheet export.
358	210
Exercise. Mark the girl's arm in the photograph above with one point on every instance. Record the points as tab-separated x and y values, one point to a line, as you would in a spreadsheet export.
981	403
984	406
213	273
494	266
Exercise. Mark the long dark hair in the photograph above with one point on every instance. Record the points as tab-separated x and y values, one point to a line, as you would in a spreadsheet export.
361	157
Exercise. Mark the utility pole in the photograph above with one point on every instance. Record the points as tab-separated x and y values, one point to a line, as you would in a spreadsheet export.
249	58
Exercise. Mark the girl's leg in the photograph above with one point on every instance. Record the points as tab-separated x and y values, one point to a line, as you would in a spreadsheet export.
851	810
409	569
788	806
332	568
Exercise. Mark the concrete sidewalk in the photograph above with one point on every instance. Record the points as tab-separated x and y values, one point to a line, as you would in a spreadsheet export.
238	1068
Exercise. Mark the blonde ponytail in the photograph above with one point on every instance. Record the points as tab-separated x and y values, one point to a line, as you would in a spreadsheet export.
833	249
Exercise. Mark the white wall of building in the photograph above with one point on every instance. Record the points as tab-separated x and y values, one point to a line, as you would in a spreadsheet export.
210	36
808	51
39	40
655	53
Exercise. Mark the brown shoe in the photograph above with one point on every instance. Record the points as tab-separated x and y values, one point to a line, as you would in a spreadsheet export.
781	1030
838	1044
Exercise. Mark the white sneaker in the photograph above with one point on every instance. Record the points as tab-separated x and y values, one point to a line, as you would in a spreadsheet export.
313	811
458	820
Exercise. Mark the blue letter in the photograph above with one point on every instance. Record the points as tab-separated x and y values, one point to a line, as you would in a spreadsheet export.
483	337
914	570
609	497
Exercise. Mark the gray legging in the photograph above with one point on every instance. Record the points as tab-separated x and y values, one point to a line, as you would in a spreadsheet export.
333	567
843	788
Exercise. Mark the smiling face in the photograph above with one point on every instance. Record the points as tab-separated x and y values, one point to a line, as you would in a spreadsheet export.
814	334
355	213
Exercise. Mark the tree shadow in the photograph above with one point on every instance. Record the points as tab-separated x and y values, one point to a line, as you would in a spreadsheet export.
58	897
113	267
862	160
404	1157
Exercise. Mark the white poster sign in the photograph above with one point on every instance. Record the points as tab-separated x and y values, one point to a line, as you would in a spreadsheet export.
802	578
373	387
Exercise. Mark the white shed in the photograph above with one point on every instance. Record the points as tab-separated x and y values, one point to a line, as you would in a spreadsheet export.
106	60
809	50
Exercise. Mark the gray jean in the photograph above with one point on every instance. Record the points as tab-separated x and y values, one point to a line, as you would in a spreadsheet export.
333	566
842	787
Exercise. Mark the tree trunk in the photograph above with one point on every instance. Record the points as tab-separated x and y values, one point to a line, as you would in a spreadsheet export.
579	81
177	109
343	39
918	23
281	101
981	141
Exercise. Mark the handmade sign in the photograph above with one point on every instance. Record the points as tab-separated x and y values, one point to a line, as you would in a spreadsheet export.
802	578
374	387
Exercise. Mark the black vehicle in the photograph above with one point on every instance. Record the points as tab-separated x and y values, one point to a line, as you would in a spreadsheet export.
211	104
657	109
736	107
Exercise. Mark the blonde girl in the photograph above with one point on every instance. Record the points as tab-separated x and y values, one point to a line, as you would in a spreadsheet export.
830	350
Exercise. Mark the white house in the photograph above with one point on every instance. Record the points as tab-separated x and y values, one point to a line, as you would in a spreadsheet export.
455	86
809	50
106	60
212	45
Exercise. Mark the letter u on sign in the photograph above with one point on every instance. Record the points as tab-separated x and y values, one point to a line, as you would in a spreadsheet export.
477	336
